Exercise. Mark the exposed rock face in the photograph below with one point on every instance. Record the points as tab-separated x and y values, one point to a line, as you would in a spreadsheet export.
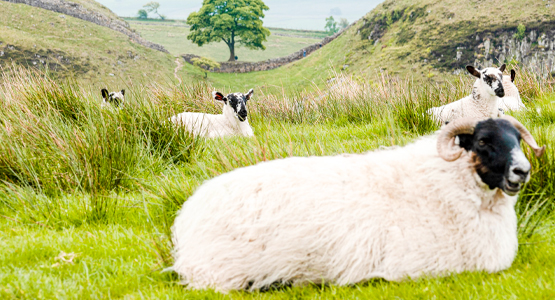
244	67
536	50
80	12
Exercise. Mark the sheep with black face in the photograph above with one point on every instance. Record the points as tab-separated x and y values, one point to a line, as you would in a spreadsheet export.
114	98
432	208
482	103
232	121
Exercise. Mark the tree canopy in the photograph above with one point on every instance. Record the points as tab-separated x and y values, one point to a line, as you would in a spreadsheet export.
230	21
142	14
331	26
153	7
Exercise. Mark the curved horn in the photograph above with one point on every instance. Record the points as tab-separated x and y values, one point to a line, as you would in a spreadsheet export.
446	140
526	136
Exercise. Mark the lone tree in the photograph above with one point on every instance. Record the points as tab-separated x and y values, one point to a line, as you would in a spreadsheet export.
331	26
153	7
142	14
230	21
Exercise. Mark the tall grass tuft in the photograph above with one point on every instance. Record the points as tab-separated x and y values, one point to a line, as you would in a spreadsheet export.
56	140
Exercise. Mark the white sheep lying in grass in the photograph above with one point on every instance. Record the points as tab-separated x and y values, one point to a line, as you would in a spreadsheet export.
430	208
512	100
232	121
482	103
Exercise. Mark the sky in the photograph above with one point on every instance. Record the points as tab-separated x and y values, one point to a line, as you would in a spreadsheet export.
293	14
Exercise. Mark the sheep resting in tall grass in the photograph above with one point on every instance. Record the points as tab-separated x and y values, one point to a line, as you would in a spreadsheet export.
512	100
430	208
114	98
232	121
482	103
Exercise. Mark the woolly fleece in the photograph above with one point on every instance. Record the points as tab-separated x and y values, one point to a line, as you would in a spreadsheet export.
395	214
481	104
512	100
211	126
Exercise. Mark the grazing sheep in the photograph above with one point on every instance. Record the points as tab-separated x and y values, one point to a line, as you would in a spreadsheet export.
429	208
482	103
114	98
232	121
512	100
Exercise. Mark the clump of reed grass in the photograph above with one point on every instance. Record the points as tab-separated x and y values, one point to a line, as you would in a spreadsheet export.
56	138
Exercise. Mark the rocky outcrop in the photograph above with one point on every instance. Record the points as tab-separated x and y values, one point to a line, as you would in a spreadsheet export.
244	67
78	11
535	49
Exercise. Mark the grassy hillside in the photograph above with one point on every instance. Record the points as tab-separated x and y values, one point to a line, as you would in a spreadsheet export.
95	6
424	36
173	36
87	195
421	39
73	48
307	73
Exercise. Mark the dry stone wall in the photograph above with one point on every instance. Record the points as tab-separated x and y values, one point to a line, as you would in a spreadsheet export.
78	11
244	67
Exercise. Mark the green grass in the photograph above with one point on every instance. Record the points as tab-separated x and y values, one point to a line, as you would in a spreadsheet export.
173	36
88	195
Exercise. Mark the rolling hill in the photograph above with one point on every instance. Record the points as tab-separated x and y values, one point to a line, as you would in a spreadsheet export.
424	39
73	48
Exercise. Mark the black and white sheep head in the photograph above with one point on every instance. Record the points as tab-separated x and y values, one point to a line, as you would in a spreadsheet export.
237	101
115	98
495	150
492	79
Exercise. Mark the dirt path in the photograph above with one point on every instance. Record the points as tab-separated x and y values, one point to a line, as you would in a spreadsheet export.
179	66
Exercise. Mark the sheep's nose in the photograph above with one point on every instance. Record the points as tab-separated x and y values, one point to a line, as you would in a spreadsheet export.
519	173
500	93
242	115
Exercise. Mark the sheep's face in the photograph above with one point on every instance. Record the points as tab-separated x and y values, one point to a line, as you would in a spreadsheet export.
237	101
496	153
492	79
115	98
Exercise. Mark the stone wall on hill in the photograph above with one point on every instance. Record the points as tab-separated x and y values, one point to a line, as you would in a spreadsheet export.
78	11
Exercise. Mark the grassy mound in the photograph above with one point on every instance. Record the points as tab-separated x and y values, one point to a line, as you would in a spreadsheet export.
72	48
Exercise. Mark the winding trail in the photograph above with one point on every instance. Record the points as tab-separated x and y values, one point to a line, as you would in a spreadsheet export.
179	66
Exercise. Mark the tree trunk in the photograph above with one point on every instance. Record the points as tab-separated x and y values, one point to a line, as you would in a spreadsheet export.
231	52
231	46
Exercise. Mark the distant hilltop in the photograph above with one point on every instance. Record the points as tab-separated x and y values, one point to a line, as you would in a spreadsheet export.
429	37
92	14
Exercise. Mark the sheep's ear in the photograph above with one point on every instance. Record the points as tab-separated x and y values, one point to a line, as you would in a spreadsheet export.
513	75
123	92
218	96
502	68
104	93
473	71
248	95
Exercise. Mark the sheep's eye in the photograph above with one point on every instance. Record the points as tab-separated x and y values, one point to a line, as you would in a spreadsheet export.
481	143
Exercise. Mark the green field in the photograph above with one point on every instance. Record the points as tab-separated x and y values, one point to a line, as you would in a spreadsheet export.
173	36
88	195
